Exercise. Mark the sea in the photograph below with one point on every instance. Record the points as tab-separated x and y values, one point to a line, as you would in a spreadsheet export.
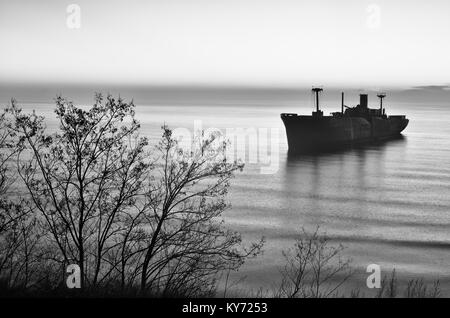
386	203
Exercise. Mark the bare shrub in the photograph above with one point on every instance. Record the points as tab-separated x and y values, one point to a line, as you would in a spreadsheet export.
415	288
314	268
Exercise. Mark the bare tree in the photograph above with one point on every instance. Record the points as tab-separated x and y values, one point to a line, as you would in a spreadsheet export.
125	215
314	268
7	151
18	237
188	244
83	177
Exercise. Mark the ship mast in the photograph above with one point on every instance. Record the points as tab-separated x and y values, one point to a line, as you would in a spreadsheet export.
317	90
381	96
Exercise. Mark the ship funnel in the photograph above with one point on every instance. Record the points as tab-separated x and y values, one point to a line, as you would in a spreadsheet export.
363	100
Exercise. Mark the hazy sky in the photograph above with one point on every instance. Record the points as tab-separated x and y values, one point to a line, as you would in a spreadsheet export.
232	42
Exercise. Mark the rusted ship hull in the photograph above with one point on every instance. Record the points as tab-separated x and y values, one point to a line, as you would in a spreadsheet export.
310	133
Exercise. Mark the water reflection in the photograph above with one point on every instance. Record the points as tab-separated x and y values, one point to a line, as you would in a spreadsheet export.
335	187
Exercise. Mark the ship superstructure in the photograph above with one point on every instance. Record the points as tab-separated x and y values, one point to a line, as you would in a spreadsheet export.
352	125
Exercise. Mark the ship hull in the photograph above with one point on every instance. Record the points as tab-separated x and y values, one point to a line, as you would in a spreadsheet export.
311	133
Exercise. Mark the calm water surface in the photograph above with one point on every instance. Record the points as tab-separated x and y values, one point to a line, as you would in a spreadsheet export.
388	203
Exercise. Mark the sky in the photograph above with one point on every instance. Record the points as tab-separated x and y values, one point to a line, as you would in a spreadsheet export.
226	42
